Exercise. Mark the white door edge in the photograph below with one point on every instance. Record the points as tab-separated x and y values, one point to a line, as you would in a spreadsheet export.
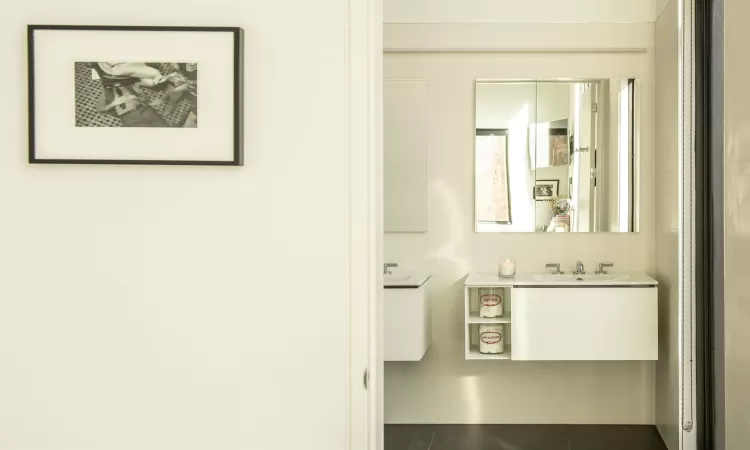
687	293
365	223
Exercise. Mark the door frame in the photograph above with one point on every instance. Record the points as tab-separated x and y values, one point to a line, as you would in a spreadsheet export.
364	256
709	178
689	415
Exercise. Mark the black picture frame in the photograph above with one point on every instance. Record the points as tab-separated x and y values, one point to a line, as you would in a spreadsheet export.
238	97
553	185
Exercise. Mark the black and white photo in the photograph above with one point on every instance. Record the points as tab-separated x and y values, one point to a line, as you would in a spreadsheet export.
136	94
546	189
129	95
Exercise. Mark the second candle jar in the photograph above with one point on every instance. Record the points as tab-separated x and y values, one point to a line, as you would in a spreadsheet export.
491	339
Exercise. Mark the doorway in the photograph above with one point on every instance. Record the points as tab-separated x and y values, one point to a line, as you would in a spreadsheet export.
480	435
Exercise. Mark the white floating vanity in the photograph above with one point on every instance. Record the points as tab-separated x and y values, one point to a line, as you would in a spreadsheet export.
568	317
406	317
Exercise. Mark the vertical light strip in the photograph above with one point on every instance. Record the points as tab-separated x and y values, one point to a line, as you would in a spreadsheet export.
687	297
624	156
575	194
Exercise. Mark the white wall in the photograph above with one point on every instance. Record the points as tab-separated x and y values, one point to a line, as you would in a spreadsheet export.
498	104
516	37
667	225
138	304
405	156
528	11
444	388
554	100
661	5
737	223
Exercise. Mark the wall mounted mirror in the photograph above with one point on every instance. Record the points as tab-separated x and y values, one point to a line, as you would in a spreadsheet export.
557	156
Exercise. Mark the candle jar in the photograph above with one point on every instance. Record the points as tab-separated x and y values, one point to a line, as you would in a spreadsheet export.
490	302
507	269
491	339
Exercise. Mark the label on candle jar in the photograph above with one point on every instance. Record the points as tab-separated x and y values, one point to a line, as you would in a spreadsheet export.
490	303
491	339
491	300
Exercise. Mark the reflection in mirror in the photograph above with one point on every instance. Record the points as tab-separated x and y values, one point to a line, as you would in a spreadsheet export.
493	201
556	156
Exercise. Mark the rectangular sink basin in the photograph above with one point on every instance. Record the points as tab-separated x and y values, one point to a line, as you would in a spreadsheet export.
583	279
404	280
396	278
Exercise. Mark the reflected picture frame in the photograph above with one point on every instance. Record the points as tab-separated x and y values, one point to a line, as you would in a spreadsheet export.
504	136
559	147
545	190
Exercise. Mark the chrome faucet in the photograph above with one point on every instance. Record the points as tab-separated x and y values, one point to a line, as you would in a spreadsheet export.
387	268
555	266
603	266
580	270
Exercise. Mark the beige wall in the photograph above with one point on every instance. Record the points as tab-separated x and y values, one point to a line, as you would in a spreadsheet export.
667	223
661	5
139	305
444	388
737	223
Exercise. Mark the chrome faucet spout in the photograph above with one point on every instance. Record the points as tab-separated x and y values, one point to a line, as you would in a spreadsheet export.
580	270
555	266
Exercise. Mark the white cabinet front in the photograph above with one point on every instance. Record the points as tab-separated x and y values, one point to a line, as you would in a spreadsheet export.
585	324
406	324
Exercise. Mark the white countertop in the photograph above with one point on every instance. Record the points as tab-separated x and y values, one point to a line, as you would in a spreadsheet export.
487	279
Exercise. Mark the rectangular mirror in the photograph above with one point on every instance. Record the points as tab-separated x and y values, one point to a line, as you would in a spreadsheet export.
556	156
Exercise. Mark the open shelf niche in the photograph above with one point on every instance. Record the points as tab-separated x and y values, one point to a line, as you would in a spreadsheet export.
473	321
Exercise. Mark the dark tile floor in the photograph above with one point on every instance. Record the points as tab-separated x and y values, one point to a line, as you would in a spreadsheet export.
522	437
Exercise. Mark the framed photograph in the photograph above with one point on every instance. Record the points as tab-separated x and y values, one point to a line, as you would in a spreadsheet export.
546	189
135	95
